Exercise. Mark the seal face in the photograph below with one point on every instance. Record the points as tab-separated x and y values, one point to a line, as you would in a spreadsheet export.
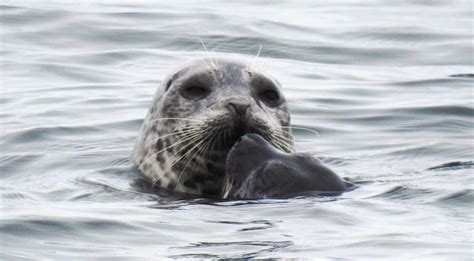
197	115
256	169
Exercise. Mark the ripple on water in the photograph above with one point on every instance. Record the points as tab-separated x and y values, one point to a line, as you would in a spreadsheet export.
14	195
48	228
463	197
45	133
10	164
390	95
455	165
401	192
443	83
237	249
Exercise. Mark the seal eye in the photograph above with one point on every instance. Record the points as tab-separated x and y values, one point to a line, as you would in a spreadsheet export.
270	96
194	92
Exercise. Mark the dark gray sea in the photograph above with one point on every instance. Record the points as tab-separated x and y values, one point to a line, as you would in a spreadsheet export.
387	84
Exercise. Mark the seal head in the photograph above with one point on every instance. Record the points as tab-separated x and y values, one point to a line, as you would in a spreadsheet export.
197	115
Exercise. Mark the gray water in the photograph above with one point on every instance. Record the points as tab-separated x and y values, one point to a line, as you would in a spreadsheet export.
387	84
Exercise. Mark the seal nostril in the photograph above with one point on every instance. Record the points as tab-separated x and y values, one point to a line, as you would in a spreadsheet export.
239	108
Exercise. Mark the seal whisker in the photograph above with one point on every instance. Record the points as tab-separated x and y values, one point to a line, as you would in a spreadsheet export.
171	146
222	139
214	66
182	132
204	62
227	188
182	119
250	66
287	147
174	162
196	137
196	134
277	136
202	149
292	141
312	152
281	144
282	135
216	61
301	128
267	137
180	150
273	136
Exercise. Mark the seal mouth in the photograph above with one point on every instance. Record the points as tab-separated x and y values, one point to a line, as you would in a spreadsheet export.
240	127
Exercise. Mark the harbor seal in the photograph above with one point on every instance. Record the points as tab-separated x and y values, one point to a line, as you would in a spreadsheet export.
255	169
197	115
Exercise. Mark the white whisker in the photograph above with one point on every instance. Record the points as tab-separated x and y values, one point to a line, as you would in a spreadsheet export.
182	119
214	66
174	161
301	128
250	66
194	135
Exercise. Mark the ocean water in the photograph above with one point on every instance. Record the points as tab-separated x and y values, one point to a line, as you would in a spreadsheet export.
387	84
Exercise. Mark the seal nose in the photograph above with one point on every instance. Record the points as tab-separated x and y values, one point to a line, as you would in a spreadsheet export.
239	108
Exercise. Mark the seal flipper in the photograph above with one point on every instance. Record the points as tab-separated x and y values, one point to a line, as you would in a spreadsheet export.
255	169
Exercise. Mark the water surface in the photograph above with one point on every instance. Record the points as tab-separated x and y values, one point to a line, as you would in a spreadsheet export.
387	85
